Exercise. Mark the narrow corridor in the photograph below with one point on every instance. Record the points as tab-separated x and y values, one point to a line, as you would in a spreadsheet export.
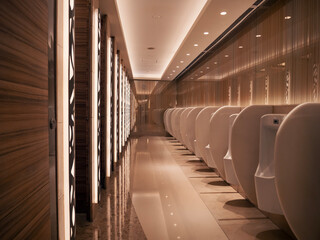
168	193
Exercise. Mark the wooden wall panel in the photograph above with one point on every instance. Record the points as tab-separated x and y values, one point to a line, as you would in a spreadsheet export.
273	59
24	153
82	103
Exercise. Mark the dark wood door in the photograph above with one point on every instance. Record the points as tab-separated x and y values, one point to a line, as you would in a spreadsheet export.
24	123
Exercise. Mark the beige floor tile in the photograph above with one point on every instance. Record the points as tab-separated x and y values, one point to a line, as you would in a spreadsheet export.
262	229
230	206
198	171
212	184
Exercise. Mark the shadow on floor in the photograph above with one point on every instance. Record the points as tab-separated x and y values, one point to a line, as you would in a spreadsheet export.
240	203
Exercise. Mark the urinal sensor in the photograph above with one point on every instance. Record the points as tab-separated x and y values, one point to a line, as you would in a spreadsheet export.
275	121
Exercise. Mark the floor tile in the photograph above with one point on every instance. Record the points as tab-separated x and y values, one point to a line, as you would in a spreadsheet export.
198	171
262	229
209	185
230	206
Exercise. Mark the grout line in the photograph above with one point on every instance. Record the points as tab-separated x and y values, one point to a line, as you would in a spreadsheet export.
252	218
216	192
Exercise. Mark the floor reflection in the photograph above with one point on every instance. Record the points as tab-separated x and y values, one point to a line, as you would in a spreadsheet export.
116	217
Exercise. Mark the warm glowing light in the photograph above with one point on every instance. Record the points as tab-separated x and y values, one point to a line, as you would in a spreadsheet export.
287	17
173	70
181	62
196	45
240	47
223	13
177	66
226	55
206	33
208	67
170	74
258	35
171	213
215	63
188	54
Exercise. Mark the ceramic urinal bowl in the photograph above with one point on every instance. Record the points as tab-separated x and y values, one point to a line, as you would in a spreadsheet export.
297	170
202	131
231	176
191	121
219	135
264	178
245	137
183	125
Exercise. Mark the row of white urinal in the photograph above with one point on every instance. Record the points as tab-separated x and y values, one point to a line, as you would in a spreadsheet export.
272	152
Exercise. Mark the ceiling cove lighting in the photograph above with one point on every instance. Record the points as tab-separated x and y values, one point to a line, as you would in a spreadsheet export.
132	16
223	13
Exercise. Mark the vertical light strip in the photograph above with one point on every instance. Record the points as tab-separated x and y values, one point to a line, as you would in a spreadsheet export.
115	100
108	112
94	106
71	120
62	98
98	103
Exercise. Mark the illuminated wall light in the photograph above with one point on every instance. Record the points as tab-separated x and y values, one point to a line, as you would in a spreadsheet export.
196	45
258	36
206	33
223	13
240	47
287	17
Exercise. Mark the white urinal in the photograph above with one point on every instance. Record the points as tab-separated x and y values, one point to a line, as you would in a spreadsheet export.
191	119
264	177
297	170
219	132
245	146
202	132
231	176
183	125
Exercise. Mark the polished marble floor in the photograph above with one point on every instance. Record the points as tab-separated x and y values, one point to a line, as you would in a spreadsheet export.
161	191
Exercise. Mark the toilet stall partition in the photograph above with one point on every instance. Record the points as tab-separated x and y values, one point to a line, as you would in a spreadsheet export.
183	125
176	123
190	126
202	133
245	136
297	166
219	136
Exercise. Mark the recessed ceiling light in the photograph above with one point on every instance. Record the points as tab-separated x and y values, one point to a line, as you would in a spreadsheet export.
196	45
188	54
181	61
177	66
216	63
201	71
258	35
170	74
226	55
168	77
240	46
208	67
223	13
206	33
287	17
173	70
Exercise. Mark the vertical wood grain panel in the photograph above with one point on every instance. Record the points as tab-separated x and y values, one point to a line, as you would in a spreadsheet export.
24	152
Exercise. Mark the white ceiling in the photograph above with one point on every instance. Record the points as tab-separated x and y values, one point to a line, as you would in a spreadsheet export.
172	27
